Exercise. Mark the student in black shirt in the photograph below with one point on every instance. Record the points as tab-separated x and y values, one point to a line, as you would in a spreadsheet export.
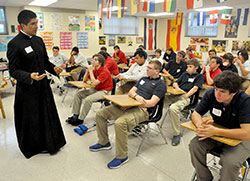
227	63
229	107
169	55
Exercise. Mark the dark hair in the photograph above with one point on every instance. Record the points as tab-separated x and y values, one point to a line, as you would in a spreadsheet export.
101	58
193	62
25	16
189	48
244	54
75	49
116	46
182	53
156	63
212	50
141	46
55	48
158	51
228	80
103	48
104	54
141	54
218	59
170	49
229	57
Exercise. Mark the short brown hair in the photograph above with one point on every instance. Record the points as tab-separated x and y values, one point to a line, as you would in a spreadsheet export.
101	58
158	50
193	62
182	53
170	49
157	64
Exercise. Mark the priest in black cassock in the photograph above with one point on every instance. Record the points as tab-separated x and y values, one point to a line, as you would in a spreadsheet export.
37	123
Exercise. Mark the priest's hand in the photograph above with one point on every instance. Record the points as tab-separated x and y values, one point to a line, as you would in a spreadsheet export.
58	70
36	76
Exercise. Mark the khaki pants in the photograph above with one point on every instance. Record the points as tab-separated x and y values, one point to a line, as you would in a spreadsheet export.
125	121
89	96
76	72
231	158
124	88
245	84
178	103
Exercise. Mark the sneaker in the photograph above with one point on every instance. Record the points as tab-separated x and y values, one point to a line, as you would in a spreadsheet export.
176	140
99	147
116	163
74	122
137	130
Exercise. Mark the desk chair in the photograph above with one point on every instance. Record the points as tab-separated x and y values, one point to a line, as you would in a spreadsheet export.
154	117
216	153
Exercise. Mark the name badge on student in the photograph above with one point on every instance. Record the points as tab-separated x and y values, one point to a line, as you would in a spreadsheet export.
191	80
178	70
216	112
28	49
142	82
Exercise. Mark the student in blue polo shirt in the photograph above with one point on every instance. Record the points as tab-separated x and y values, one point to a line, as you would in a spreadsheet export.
190	82
229	107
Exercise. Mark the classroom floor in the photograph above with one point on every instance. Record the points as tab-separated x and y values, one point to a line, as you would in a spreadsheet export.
156	162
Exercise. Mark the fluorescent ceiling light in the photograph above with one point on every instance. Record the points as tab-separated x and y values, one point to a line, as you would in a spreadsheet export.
156	1
114	8
213	8
42	2
160	14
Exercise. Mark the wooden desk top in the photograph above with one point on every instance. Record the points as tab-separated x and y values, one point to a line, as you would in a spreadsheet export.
122	100
80	84
123	67
129	80
171	90
205	86
229	141
65	74
165	75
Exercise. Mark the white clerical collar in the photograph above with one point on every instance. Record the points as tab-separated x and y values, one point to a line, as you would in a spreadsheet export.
26	34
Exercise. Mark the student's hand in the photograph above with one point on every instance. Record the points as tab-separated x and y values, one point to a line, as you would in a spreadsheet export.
186	96
58	70
238	61
207	68
205	131
90	68
165	62
119	77
141	100
36	76
63	66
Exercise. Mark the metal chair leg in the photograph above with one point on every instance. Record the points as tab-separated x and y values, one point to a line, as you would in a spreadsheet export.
164	117
142	141
162	134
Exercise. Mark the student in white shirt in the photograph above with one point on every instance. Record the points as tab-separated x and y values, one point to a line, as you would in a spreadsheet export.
58	59
158	56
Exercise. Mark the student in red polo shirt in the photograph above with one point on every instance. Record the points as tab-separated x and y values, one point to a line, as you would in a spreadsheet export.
100	77
110	63
211	71
119	56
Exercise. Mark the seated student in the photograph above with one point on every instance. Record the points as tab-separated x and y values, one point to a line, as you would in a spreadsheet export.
135	72
100	77
148	90
189	53
227	63
243	66
110	63
211	53
158	56
133	58
169	55
176	67
229	107
78	63
104	49
119	56
211	71
190	82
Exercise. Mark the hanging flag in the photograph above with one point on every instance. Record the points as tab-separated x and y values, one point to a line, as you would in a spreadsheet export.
213	16
242	20
135	6
220	1
190	19
179	17
100	8
169	5
201	18
191	4
173	35
109	8
226	16
148	6
150	30
121	5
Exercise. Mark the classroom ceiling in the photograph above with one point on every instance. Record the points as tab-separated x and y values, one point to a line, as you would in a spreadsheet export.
92	4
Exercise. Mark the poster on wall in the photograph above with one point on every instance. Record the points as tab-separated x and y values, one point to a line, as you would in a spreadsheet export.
238	45
40	18
198	55
47	39
102	40
89	23
121	39
231	30
74	23
130	41
82	40
193	47
56	21
65	40
198	40
4	40
139	40
204	48
111	40
219	45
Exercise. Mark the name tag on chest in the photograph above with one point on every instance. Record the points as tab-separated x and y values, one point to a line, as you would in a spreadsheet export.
178	70
217	112
190	79
28	49
142	82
